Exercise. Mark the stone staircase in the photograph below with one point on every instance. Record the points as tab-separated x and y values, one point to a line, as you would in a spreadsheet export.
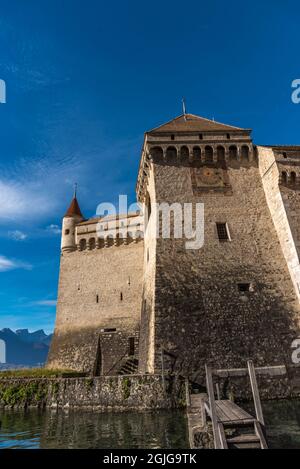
129	366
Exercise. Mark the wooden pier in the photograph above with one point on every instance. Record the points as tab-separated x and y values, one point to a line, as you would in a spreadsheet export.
232	426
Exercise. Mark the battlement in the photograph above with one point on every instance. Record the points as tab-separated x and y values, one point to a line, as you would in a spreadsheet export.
104	232
193	141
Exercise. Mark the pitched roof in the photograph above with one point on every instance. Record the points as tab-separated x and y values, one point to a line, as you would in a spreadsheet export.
74	209
91	221
192	123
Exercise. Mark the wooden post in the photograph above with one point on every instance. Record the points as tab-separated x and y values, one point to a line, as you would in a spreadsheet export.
212	405
218	391
255	392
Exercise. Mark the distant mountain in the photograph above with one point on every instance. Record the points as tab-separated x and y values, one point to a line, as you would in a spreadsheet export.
24	348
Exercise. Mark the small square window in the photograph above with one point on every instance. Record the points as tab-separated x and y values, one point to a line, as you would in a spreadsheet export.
222	230
244	287
109	329
172	137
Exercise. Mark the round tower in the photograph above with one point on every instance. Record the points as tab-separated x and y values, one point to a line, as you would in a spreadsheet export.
70	220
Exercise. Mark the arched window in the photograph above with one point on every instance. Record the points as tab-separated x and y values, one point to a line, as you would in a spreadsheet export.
92	243
197	153
171	153
209	154
147	209
245	153
232	153
283	177
221	155
293	178
109	240
157	153
82	244
184	153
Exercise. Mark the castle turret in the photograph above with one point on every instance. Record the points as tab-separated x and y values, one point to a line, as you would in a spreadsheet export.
70	220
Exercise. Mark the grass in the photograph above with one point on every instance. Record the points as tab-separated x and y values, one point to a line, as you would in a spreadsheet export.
39	373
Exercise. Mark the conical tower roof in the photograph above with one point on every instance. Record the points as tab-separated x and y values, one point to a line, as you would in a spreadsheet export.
74	209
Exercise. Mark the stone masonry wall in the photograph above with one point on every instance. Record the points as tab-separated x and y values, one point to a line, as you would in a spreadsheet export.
118	393
98	290
147	342
200	314
284	205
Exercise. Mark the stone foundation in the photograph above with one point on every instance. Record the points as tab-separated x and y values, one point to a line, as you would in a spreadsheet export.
115	393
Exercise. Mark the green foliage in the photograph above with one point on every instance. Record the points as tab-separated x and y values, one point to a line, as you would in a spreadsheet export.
89	382
55	389
126	384
23	393
40	373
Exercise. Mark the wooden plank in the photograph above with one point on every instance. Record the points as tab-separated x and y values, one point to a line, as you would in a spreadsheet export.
237	410
212	406
255	392
279	370
222	436
222	417
259	432
225	410
246	438
233	411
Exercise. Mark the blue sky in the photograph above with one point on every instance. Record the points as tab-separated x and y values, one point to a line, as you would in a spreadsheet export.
86	79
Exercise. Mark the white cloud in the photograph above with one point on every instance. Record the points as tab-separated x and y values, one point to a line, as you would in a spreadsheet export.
17	235
54	229
44	303
30	189
12	264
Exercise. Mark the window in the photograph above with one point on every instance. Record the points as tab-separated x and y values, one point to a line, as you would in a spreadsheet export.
121	296
172	137
197	153
283	177
222	230
243	287
92	243
131	346
228	136
97	298
109	329
200	136
67	232
82	244
209	154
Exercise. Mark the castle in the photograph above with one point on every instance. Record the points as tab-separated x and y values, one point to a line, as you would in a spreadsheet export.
140	304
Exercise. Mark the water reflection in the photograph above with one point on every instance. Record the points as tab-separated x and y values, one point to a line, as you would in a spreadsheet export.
52	429
34	429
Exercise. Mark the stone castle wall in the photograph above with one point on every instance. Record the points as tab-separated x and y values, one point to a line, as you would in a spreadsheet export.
115	393
284	205
200	314
99	291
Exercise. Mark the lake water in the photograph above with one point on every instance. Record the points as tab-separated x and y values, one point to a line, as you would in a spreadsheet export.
78	429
